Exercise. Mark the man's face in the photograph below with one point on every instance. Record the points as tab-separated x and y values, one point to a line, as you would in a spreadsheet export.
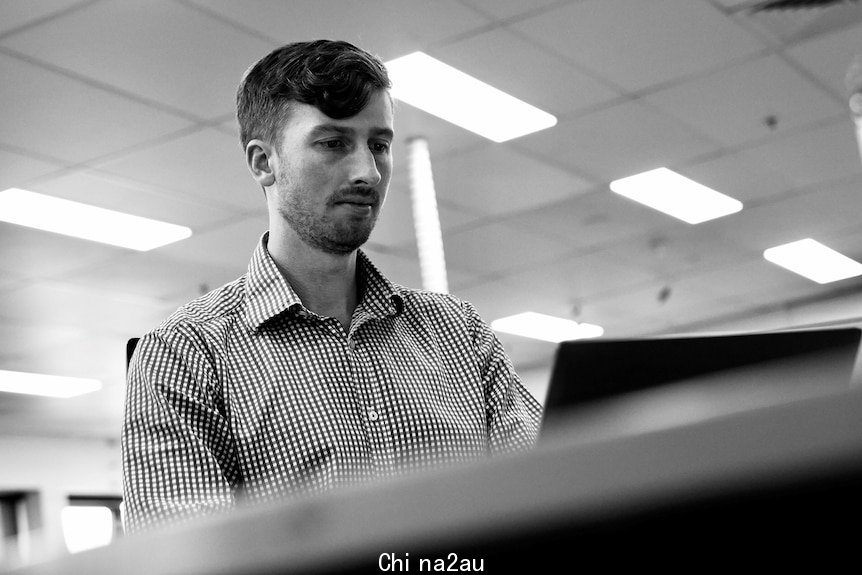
332	175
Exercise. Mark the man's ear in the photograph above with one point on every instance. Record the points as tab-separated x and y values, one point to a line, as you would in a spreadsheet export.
260	158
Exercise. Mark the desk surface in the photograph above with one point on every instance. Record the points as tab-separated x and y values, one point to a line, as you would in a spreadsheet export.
561	499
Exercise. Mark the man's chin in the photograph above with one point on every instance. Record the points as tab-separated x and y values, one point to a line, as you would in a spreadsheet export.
342	245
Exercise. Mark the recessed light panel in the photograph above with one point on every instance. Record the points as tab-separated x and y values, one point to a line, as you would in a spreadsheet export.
88	222
448	93
666	191
813	260
46	385
546	327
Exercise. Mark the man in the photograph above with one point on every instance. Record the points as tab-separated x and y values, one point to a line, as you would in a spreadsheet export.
312	371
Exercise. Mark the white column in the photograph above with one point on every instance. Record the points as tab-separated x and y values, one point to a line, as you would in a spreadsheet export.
426	219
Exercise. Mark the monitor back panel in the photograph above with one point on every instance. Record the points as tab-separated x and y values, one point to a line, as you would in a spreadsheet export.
723	372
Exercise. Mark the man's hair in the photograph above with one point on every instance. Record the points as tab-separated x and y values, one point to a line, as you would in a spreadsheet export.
336	77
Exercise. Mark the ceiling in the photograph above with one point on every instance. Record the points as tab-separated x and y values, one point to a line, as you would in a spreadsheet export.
128	105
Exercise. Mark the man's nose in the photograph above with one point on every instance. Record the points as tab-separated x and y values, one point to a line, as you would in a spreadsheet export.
364	169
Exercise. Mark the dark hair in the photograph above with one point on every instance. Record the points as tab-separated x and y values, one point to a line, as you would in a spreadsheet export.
336	77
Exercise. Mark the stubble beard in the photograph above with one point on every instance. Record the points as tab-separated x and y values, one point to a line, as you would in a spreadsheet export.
330	235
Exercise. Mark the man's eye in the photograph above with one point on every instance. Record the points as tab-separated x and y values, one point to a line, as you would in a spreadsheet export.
333	144
380	147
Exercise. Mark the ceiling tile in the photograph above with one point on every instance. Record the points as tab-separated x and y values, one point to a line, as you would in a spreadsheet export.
491	248
565	286
227	247
677	251
207	166
16	169
735	105
153	275
838	205
503	60
65	305
194	65
21	339
830	57
660	307
86	122
822	154
761	279
497	180
70	357
734	3
847	240
739	176
505	9
28	252
384	27
619	141
18	13
639	44
595	219
793	217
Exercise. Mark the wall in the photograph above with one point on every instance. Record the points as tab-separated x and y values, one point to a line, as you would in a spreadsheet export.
55	468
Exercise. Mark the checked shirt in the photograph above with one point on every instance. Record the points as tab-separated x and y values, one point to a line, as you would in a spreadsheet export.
244	395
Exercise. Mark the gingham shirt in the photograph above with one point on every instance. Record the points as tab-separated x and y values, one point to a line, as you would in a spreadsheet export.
244	394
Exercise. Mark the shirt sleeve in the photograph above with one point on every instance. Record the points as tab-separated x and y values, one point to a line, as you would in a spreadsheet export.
513	414
178	456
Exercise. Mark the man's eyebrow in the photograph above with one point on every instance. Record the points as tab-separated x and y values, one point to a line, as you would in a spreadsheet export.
324	129
384	132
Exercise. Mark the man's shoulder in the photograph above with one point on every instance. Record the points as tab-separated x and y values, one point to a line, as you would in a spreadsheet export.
430	303
424	298
215	307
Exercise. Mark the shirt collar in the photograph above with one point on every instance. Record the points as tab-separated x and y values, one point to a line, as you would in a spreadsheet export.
381	298
269	294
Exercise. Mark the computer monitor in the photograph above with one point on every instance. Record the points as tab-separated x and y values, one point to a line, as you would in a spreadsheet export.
694	376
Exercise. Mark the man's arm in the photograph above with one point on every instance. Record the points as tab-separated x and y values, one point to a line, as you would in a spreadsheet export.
179	460
513	414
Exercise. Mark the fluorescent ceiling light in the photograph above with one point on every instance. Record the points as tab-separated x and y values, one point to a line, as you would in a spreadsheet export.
676	195
813	260
546	327
46	385
448	93
70	218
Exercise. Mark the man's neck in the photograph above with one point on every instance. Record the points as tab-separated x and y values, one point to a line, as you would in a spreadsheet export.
326	283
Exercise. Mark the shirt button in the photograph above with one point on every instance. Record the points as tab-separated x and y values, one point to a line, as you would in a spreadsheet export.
351	344
373	415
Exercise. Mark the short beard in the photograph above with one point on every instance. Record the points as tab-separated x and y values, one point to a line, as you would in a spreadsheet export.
332	237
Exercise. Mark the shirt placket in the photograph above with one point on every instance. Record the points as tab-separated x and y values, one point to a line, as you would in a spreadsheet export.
376	413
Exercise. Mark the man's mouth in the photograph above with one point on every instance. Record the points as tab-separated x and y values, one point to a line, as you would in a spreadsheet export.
368	200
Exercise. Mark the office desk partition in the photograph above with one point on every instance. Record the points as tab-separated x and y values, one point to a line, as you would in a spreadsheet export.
770	486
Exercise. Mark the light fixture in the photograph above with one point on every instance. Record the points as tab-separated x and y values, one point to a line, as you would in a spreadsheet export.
666	191
813	260
546	327
46	385
70	218
448	93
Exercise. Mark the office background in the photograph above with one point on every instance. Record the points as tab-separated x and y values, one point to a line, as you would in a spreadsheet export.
128	105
